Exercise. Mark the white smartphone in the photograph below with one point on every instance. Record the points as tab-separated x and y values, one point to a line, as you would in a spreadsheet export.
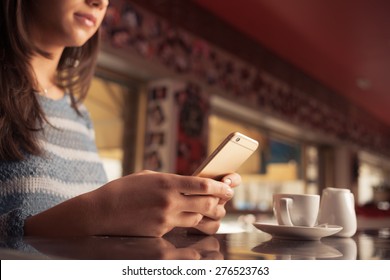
228	156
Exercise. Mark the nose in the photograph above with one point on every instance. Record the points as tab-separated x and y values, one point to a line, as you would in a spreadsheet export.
98	3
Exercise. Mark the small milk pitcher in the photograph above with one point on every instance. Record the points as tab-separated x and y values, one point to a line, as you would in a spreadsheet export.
337	207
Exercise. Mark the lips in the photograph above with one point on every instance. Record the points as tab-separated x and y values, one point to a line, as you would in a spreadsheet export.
86	19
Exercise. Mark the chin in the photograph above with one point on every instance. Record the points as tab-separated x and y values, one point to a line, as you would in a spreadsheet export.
80	40
76	45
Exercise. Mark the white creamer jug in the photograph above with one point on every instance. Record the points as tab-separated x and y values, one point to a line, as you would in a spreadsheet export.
337	207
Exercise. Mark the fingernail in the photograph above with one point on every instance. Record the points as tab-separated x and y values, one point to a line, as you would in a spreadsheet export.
227	181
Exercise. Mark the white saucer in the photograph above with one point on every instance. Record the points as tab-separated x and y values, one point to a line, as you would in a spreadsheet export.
298	232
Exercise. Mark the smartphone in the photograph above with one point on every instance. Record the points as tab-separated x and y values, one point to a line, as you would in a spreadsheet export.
228	156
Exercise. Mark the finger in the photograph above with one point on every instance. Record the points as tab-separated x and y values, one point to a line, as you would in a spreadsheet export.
206	205
223	201
188	219
233	179
208	226
192	185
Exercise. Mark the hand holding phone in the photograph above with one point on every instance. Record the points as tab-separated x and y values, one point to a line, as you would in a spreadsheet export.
228	156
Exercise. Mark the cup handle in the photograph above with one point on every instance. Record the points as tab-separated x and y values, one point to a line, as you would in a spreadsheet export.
284	212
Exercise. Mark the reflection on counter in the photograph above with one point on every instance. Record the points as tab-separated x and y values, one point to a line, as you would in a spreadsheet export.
292	249
347	246
251	244
374	244
174	246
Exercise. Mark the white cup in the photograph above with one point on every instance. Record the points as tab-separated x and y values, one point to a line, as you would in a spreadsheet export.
296	209
338	208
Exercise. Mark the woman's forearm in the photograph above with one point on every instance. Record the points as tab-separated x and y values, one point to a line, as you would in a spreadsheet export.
79	216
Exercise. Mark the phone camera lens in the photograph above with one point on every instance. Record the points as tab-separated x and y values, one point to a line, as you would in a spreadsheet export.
238	139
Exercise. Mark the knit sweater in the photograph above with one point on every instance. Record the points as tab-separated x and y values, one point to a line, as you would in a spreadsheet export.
68	166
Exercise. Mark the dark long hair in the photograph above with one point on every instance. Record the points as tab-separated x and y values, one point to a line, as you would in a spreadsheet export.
21	116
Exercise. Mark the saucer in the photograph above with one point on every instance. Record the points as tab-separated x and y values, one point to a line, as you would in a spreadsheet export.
298	232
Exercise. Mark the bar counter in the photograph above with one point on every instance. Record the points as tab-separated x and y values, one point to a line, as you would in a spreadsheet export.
247	243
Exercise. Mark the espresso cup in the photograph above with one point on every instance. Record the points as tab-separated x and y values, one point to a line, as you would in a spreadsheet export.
296	209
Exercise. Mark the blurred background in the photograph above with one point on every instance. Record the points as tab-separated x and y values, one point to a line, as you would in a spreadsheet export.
308	79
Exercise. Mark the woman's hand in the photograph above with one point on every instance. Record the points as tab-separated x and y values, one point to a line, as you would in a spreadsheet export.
152	204
210	224
141	204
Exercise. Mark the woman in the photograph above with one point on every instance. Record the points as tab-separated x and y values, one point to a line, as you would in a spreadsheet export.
51	180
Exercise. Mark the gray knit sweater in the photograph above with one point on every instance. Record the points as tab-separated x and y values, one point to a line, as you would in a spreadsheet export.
68	167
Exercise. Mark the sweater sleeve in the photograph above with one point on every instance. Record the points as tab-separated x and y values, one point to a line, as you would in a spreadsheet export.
11	236
12	223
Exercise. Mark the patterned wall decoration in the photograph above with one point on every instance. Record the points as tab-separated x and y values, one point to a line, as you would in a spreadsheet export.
159	122
135	29
176	127
192	109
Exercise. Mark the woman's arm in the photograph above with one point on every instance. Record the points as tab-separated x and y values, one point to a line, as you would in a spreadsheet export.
142	204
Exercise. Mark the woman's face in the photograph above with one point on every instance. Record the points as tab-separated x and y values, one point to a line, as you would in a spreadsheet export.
64	23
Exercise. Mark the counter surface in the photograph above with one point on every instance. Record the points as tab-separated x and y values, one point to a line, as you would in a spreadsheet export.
248	244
